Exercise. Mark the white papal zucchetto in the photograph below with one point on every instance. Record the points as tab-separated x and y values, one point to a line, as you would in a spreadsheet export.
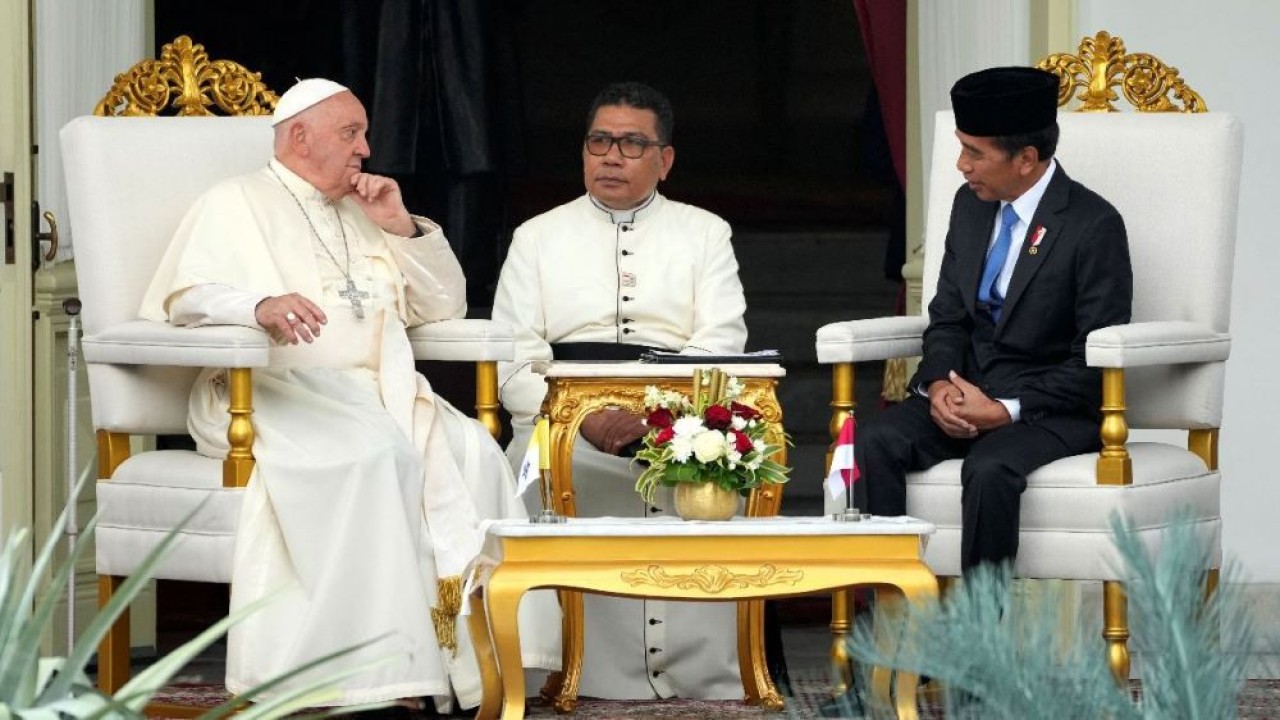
302	96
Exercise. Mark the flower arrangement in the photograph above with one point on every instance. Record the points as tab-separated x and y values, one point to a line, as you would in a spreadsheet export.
712	438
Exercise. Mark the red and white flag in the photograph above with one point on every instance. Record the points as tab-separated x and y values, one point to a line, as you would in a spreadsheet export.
844	471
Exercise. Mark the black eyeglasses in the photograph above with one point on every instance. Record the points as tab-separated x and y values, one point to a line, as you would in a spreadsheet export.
630	146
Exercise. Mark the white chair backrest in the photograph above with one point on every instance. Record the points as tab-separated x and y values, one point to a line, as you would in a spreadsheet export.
129	182
1175	178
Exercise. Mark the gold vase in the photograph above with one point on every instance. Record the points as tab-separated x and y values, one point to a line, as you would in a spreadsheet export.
705	501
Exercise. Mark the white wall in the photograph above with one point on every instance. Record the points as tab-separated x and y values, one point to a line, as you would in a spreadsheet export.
1225	50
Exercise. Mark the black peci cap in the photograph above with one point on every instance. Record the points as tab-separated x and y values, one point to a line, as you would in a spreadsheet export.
1005	101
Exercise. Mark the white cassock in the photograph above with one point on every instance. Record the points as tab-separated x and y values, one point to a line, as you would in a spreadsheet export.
365	502
662	275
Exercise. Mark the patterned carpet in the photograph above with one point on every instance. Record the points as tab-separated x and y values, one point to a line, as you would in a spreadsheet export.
1259	701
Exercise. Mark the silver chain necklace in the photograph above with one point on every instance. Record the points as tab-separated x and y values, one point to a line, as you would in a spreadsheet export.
351	294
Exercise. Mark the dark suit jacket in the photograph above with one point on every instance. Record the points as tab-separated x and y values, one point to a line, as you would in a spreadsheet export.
1079	280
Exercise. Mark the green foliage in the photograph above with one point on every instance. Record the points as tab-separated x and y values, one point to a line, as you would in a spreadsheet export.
1003	652
50	688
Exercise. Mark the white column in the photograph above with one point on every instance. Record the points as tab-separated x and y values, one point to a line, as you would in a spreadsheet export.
957	38
79	48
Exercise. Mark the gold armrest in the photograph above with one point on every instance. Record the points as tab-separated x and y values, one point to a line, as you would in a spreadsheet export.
238	464
487	396
1115	467
113	447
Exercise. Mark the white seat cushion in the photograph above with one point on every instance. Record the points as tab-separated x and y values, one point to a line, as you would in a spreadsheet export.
1066	516
151	493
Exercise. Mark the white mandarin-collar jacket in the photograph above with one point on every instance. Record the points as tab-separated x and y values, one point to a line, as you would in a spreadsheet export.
668	279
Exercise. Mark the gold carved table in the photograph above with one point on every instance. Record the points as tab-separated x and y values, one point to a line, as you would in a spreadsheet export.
576	389
667	558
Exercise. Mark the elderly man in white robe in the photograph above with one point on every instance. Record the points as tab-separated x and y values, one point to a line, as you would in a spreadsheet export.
366	502
616	271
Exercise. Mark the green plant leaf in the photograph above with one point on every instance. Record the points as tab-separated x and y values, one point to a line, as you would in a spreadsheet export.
142	686
20	604
12	613
1006	651
18	653
307	695
87	645
23	655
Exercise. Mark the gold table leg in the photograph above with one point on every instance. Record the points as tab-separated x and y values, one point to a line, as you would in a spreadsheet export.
504	592
914	587
757	684
892	597
571	605
490	677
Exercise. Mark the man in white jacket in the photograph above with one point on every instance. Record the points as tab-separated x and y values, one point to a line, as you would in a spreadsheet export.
606	276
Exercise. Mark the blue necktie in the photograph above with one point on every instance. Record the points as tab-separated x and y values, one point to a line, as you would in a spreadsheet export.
987	291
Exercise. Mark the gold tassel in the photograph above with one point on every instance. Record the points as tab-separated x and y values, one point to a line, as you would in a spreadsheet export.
895	380
445	614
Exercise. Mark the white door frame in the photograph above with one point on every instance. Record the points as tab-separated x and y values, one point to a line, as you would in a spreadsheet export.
15	277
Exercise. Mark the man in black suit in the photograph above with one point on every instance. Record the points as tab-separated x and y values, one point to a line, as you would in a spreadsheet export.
1034	262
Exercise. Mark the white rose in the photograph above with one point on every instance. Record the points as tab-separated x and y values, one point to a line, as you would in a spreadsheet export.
709	446
738	423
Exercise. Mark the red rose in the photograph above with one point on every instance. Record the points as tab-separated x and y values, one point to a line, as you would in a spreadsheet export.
742	443
660	418
664	436
746	412
717	417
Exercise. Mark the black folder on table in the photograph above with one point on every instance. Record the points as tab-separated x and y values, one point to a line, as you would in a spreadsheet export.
674	358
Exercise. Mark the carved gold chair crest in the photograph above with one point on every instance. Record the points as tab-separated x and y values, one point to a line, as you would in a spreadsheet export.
1102	65
185	80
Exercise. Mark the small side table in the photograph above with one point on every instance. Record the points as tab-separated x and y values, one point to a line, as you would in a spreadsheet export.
747	559
576	389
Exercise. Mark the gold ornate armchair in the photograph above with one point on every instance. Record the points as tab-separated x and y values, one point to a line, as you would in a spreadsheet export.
129	181
1173	171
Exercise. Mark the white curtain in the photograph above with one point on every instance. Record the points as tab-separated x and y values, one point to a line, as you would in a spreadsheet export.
80	47
957	38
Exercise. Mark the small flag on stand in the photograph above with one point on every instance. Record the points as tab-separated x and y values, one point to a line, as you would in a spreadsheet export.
843	469
533	459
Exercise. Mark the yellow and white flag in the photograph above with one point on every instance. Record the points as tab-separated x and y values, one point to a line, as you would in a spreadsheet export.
533	457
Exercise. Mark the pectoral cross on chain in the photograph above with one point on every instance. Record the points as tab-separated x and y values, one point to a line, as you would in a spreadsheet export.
353	295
